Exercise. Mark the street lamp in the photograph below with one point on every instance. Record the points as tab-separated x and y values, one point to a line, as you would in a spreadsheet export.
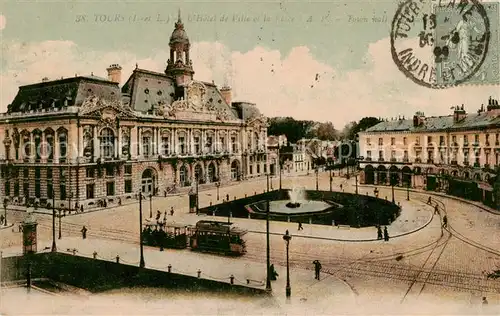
60	223
356	178
268	251
54	248
408	180
197	195
392	187
288	290
141	262
5	210
331	179
150	205
317	179
218	186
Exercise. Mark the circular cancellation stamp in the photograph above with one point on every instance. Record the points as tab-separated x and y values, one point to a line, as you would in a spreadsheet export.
440	43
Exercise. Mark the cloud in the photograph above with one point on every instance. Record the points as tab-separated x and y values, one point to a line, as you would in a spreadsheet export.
295	84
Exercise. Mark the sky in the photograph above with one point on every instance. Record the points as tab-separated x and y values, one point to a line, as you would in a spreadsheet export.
323	61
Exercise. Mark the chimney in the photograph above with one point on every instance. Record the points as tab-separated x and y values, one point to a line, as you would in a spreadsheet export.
418	119
459	114
226	94
492	104
115	73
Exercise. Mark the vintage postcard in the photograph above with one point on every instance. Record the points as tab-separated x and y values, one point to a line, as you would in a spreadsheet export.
250	157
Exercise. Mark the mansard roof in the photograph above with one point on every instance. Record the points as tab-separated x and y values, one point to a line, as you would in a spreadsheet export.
62	93
486	119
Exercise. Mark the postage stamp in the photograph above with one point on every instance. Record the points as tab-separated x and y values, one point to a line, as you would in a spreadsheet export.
441	45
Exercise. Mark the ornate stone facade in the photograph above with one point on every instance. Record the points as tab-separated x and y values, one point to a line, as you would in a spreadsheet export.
85	140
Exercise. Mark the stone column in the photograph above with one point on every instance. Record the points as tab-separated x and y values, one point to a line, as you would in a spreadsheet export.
173	135
32	146
139	142
80	142
43	149
56	147
158	140
118	143
97	152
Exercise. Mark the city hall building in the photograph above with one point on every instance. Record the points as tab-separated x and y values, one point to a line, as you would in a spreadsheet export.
458	154
85	140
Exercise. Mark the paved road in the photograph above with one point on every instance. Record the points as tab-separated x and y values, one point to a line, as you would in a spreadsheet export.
431	261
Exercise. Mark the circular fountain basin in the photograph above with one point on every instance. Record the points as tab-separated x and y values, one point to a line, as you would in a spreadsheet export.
303	207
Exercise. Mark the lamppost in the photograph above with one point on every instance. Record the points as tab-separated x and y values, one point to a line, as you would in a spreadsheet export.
197	195
356	178
268	251
288	289
59	223
141	262
408	180
218	186
331	179
54	248
5	210
150	205
316	171
392	186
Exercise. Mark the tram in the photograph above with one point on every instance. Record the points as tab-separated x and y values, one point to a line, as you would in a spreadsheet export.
166	235
209	236
218	237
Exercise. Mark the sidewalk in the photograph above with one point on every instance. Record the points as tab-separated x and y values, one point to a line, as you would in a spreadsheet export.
328	291
414	216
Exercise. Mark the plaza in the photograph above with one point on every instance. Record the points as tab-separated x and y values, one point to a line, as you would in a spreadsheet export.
424	263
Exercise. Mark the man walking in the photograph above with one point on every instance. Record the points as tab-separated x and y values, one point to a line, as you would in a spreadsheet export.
84	232
317	269
300	226
386	234
445	221
379	233
172	211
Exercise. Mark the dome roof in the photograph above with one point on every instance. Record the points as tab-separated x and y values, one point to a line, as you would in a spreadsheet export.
179	34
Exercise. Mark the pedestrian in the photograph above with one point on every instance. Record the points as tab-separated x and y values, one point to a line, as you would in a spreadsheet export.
485	301
317	269
227	197
429	200
158	215
84	232
436	210
81	208
445	221
172	211
300	226
386	234
379	233
341	186
1	219
272	272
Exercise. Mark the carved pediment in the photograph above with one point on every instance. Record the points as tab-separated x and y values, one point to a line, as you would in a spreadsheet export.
104	109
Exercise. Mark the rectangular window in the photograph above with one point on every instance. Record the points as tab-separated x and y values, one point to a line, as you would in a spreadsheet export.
441	140
110	171
429	140
165	141
380	155
233	145
476	139
265	168
258	168
49	173
16	189
393	141
90	190
182	145
62	194
380	141
50	190
89	172
26	189
222	144
7	188
146	146
37	188
369	154
197	145
38	173
466	140
26	173
405	155
454	138
487	139
128	169
251	169
404	141
128	186
209	144
110	188
368	141
417	140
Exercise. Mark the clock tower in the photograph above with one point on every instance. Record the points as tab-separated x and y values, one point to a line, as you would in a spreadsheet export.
179	66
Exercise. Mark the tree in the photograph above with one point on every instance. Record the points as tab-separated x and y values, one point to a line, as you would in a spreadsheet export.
363	124
293	129
326	131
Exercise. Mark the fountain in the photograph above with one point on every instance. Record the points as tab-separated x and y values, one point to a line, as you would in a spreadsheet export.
295	195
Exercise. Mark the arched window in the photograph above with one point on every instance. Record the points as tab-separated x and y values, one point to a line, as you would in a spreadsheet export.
183	176
198	173
63	145
107	139
147	144
257	141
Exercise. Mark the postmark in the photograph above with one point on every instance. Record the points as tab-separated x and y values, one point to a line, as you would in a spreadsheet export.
440	45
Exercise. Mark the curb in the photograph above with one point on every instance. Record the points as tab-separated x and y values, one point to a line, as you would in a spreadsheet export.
483	207
6	227
350	240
